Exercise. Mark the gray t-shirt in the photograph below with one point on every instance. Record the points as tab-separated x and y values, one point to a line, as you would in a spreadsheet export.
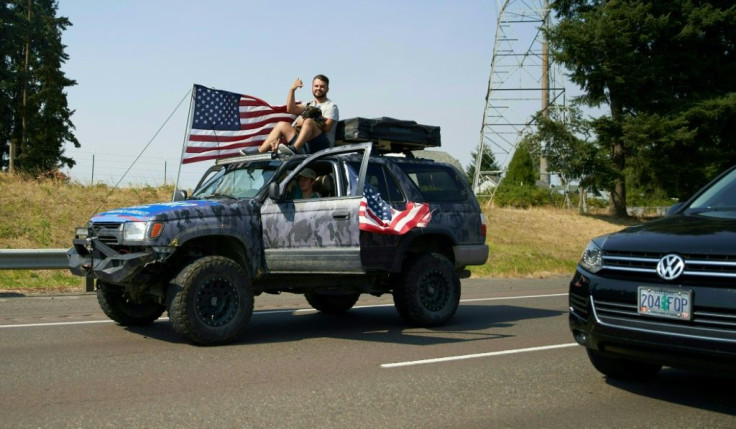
329	110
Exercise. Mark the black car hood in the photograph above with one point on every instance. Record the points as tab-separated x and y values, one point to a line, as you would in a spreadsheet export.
691	234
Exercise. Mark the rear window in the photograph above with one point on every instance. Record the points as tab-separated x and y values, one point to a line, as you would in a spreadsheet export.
438	183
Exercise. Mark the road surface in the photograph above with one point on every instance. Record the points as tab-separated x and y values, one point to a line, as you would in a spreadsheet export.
507	359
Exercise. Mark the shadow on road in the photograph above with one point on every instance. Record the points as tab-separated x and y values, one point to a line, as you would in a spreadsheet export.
689	388
12	295
381	324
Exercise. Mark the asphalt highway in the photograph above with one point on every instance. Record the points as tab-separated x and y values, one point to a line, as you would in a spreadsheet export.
507	359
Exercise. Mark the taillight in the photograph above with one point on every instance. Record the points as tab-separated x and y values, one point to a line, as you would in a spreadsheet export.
483	224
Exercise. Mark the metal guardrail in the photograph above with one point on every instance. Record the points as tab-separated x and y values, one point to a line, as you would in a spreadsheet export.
33	259
39	259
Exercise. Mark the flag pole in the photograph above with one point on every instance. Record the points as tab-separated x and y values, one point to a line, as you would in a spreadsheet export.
186	138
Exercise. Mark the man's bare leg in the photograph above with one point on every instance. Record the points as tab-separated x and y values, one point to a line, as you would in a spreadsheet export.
282	129
310	130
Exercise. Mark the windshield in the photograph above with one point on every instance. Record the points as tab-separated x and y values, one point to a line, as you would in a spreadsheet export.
241	181
721	196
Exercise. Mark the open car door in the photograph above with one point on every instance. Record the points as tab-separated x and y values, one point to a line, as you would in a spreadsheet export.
317	235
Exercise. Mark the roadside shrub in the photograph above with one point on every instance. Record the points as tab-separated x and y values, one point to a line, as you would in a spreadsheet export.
526	197
639	199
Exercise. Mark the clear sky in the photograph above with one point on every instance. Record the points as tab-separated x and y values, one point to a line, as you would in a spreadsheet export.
135	60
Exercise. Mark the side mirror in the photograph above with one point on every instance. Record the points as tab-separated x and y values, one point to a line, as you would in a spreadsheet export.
180	195
673	209
273	191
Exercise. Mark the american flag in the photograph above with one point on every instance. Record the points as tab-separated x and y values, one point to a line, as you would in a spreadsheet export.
376	215
224	122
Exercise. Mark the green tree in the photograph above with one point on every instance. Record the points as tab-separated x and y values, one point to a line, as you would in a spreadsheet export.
487	163
522	170
569	144
656	65
10	38
37	117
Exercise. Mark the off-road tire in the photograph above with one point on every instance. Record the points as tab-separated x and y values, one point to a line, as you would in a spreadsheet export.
212	302
331	304
122	310
428	292
622	369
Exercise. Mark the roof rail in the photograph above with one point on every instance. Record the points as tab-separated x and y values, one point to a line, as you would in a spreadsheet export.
242	158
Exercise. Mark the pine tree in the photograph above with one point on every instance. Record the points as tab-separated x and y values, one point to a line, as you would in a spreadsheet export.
39	120
9	37
521	171
487	163
667	72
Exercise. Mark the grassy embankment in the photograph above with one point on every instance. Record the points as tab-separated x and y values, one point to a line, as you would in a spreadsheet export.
37	214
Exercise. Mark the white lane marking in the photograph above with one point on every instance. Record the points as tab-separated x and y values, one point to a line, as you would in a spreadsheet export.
34	325
476	355
262	312
514	297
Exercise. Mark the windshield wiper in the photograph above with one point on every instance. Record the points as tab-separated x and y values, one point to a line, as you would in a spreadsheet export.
219	195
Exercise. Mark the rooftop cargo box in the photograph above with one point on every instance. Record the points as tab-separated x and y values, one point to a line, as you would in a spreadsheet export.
388	134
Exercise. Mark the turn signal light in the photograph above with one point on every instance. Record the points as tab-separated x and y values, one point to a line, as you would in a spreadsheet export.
156	229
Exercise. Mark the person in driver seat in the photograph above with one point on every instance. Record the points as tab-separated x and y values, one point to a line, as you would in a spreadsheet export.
306	179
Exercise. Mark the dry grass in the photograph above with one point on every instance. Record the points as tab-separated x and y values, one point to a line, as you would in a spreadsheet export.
537	242
38	214
540	242
43	213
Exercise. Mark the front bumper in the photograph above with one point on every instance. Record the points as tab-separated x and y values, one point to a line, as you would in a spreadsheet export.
603	317
93	258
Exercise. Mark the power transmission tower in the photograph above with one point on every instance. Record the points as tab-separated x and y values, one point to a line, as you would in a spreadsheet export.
522	82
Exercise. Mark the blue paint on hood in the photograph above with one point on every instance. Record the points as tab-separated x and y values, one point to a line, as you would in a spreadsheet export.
150	211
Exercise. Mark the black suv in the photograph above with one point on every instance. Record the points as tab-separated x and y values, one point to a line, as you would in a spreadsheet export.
240	234
662	293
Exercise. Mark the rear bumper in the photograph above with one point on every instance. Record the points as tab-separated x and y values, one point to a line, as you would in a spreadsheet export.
470	254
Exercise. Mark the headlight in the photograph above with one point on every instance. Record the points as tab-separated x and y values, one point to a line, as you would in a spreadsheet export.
138	231
134	231
591	260
81	232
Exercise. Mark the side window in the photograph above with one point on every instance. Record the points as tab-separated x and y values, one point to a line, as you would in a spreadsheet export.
315	180
437	183
382	181
351	178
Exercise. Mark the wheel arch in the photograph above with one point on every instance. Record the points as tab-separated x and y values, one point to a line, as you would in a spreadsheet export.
217	245
425	243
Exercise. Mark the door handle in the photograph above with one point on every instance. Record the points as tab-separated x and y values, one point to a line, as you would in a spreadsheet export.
341	216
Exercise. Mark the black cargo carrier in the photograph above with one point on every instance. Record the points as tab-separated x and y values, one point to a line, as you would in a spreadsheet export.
388	134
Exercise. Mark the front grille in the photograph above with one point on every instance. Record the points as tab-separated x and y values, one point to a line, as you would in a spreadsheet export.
642	264
720	322
108	232
579	304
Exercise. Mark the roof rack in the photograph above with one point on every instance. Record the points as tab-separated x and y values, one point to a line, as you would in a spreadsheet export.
242	158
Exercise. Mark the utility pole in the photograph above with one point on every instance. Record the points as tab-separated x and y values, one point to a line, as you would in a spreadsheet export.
543	174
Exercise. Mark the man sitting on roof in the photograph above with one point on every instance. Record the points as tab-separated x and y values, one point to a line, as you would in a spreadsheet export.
315	131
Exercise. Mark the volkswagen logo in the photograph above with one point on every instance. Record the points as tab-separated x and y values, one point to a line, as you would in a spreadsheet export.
670	267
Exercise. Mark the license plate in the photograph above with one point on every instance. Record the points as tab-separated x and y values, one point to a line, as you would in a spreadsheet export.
662	302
